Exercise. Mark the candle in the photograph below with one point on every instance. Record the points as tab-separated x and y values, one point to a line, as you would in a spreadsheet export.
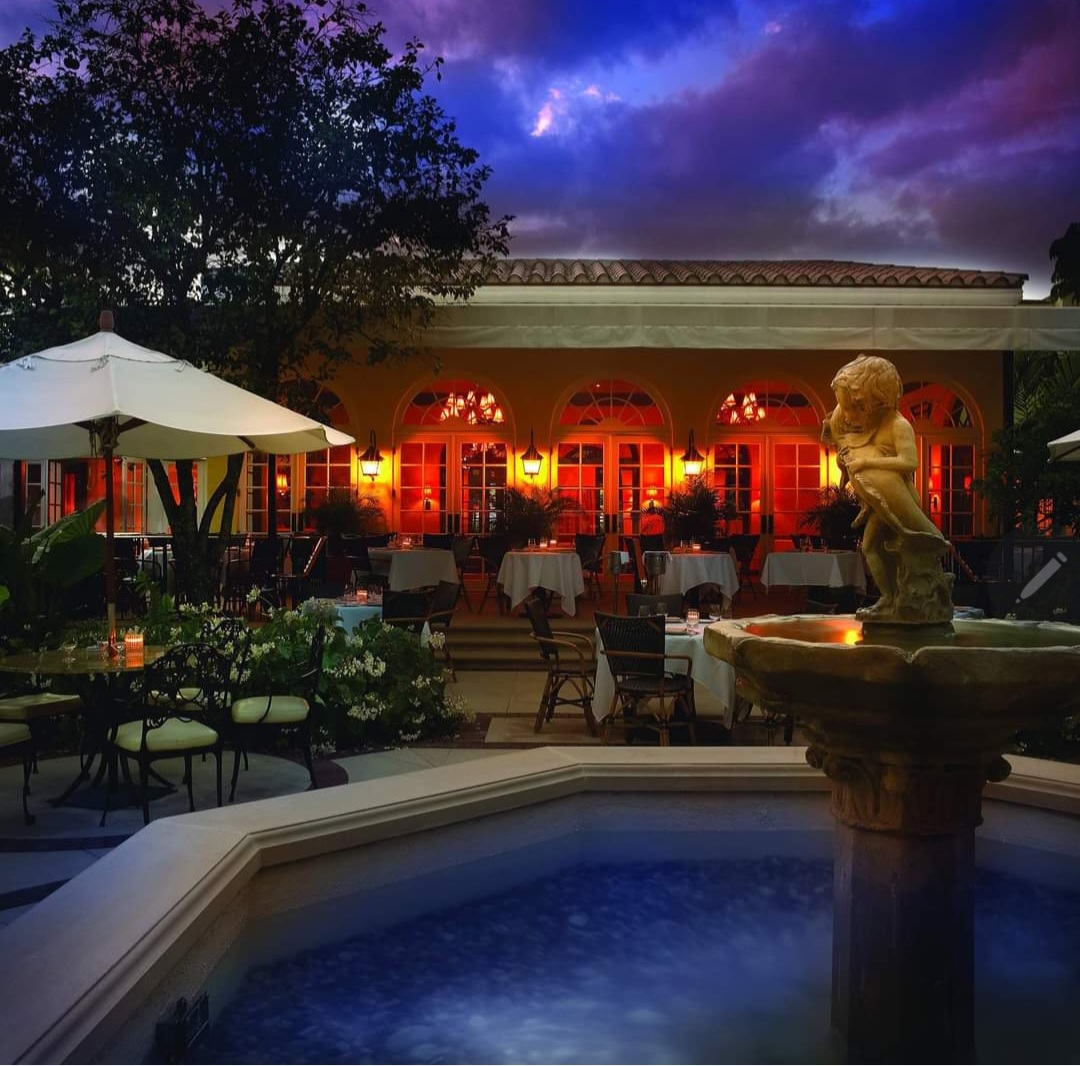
695	546
133	645
361	595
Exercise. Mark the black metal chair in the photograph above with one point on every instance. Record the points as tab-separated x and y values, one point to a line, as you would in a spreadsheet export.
632	547
288	711
492	549
445	541
635	650
571	661
440	617
16	739
463	549
183	704
407	610
744	545
669	603
652	542
590	550
264	569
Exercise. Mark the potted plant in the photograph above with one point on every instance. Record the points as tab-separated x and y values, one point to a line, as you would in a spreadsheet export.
831	518
344	512
695	512
532	515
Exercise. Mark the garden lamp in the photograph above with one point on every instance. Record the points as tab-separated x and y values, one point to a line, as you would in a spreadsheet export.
531	459
692	459
370	460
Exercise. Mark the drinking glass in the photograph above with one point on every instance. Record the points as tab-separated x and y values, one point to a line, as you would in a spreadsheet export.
68	648
532	542
693	616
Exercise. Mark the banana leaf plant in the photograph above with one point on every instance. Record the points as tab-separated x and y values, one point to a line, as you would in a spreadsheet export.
38	568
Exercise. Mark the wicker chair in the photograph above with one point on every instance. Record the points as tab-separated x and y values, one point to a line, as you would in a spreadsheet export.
462	549
571	661
407	610
744	545
441	615
492	550
639	666
590	550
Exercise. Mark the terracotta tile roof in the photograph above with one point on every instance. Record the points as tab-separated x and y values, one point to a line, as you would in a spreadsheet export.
741	272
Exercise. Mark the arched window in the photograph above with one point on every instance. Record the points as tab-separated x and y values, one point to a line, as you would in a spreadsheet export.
447	401
938	405
612	403
766	404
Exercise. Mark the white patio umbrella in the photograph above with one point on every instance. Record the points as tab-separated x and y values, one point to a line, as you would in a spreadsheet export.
1066	448
104	395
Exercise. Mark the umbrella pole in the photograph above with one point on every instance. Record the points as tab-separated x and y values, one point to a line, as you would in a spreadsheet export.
110	552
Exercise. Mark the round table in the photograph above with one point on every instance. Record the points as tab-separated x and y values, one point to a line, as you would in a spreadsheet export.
414	568
688	570
558	571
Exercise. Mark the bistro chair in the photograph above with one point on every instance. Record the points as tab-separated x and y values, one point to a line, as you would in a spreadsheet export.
668	603
441	616
16	739
632	547
407	610
571	662
445	541
652	542
462	549
287	712
744	545
647	693
493	549
183	692
590	550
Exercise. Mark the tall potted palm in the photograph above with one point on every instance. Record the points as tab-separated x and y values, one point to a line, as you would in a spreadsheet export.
695	513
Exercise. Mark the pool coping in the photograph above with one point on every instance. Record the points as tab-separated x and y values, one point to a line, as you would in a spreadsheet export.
76	965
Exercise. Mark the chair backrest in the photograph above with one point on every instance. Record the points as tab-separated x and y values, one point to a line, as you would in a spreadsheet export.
376	540
321	588
744	545
652	542
625	636
590	549
667	603
438	540
190	680
717	544
492	549
797	540
541	627
407	610
231	636
265	558
462	549
443	602
632	547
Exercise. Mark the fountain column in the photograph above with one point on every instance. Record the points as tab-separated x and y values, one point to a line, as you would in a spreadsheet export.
903	937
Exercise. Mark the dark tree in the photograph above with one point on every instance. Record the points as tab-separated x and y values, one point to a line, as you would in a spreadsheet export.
264	190
1065	252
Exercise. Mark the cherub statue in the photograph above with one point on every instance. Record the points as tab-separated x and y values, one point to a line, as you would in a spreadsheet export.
878	455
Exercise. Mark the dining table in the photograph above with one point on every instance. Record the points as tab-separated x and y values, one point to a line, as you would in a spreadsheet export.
103	684
715	674
826	569
352	613
553	569
413	568
686	570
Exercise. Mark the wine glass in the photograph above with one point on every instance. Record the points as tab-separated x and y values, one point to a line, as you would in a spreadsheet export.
68	648
693	616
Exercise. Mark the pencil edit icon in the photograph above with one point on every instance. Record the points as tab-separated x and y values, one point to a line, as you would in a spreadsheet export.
1043	576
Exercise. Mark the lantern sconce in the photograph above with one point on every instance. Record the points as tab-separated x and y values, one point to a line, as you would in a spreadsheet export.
650	505
531	459
692	459
281	483
371	459
427	497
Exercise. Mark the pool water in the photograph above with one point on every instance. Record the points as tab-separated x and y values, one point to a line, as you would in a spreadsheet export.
637	963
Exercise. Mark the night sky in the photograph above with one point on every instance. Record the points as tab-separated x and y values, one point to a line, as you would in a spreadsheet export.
943	133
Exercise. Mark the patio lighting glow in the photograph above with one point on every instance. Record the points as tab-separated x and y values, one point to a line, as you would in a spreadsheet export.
531	459
692	459
282	482
477	410
370	460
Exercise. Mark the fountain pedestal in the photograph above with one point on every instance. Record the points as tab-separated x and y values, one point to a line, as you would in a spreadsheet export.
908	725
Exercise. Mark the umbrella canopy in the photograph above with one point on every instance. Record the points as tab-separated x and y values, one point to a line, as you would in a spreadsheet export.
164	408
1067	448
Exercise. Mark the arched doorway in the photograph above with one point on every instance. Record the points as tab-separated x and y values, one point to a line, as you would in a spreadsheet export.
453	458
767	456
611	458
947	432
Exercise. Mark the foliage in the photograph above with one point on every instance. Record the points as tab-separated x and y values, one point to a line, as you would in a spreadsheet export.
533	514
1023	490
379	686
696	511
831	518
36	568
260	187
1065	279
344	511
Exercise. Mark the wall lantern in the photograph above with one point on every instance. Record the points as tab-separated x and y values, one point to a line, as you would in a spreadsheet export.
370	460
692	459
281	482
650	505
531	459
427	497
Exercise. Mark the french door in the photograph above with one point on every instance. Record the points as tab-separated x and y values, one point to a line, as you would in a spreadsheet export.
452	483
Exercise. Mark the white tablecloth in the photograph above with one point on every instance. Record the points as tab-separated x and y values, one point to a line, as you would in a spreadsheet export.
687	570
353	614
713	673
832	569
521	572
414	568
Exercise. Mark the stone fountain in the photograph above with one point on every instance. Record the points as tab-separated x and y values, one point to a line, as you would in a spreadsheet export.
908	714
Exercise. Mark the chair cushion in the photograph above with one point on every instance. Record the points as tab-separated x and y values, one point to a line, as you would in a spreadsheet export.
175	735
34	705
13	733
283	710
